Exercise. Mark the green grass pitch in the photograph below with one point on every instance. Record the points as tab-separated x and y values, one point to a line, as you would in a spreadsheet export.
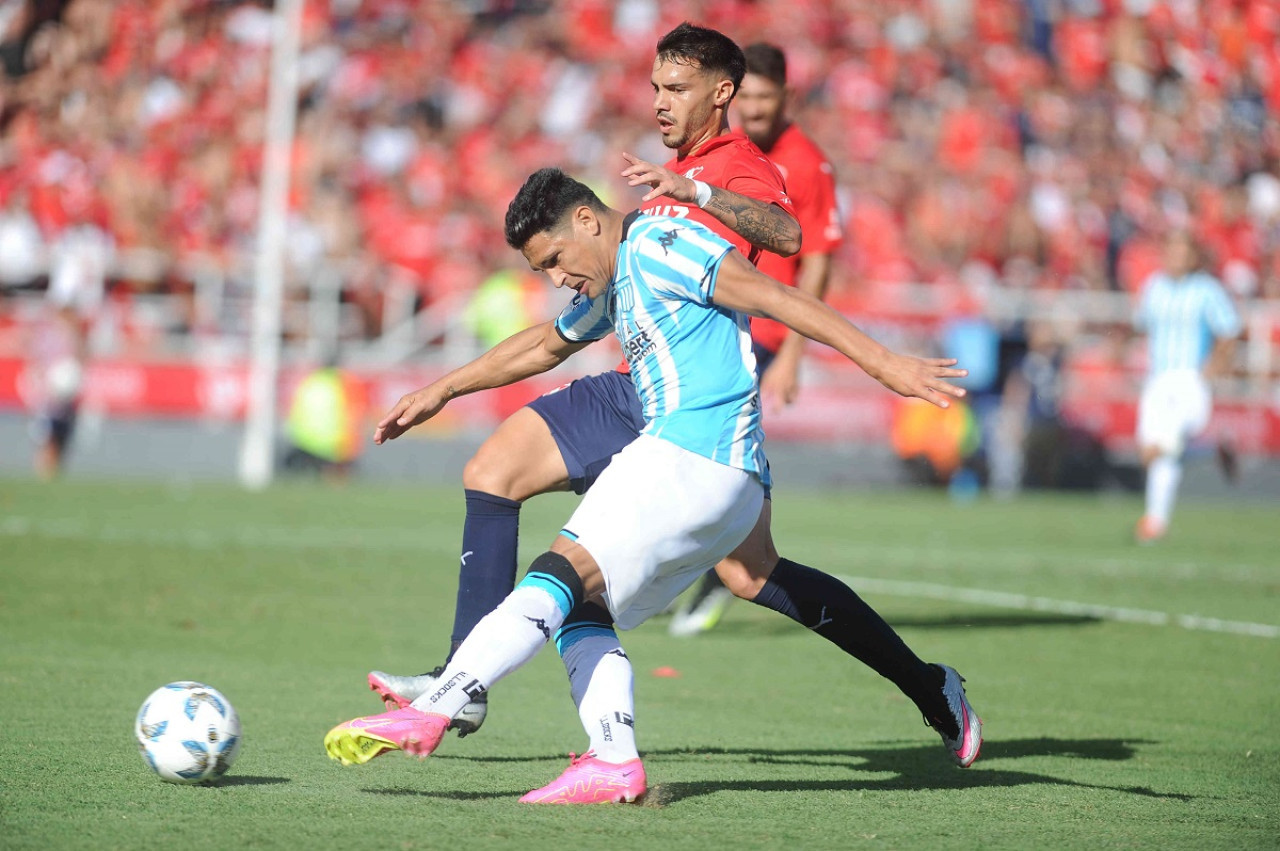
1130	695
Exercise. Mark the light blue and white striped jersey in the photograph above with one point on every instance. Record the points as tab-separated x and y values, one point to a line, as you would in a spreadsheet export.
690	360
1181	318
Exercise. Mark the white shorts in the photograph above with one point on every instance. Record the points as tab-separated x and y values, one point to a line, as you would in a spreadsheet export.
1174	407
658	518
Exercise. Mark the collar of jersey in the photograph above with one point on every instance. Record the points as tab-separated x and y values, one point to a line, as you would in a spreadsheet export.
627	221
708	146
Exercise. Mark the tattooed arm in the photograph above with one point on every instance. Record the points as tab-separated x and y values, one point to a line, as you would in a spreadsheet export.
765	226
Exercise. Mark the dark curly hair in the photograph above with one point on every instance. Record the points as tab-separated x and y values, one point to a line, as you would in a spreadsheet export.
713	51
766	61
542	203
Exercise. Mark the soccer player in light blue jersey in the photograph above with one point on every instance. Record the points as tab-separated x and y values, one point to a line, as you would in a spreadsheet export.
671	504
1191	327
565	439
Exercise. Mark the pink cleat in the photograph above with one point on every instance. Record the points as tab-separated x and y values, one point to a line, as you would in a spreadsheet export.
397	692
1149	530
966	744
409	730
588	780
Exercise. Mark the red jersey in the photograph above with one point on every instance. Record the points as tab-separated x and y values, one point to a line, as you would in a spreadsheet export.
811	184
730	161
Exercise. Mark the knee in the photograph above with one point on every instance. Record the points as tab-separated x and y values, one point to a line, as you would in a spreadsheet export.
491	472
745	572
519	460
557	576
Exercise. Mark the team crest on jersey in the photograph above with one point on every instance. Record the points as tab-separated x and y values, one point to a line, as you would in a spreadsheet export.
624	296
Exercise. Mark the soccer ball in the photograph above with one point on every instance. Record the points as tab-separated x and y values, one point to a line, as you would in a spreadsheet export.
188	732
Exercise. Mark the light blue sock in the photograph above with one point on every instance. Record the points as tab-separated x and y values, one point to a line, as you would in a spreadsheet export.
602	684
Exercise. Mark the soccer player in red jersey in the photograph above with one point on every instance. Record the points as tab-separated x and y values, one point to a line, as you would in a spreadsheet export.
761	107
811	184
564	439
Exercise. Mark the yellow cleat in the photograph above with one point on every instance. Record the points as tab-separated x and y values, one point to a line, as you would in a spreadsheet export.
408	729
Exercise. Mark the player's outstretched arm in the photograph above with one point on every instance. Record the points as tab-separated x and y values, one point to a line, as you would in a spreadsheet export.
765	226
739	286
529	352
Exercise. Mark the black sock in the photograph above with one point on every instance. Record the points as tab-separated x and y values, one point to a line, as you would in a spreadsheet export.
490	538
830	608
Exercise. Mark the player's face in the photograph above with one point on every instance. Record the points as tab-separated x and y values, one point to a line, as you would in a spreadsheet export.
1179	255
685	100
760	104
569	256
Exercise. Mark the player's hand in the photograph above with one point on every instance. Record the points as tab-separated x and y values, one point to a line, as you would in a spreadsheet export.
663	180
779	385
412	409
923	378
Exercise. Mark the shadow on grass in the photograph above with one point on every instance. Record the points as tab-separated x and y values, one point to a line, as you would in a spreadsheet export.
911	768
915	767
997	620
975	620
247	780
455	795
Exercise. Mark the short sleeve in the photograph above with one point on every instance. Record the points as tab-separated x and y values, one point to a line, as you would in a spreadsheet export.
681	262
1223	319
585	320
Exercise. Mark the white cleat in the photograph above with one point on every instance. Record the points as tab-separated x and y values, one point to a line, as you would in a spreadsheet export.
964	749
398	692
702	613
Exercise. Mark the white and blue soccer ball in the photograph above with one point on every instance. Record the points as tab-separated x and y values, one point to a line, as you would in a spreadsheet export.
188	732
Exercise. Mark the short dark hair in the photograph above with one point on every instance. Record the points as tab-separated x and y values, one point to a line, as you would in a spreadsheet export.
766	61
543	201
712	50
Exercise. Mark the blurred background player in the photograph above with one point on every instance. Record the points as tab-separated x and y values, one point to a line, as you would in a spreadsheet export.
55	378
326	422
1191	327
60	345
761	106
508	301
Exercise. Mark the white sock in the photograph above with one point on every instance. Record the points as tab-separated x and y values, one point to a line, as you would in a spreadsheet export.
607	709
505	639
1162	487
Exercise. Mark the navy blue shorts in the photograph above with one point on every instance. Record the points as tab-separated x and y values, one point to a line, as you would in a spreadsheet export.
591	419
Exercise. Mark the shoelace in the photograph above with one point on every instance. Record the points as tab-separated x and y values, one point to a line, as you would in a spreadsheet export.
574	758
937	724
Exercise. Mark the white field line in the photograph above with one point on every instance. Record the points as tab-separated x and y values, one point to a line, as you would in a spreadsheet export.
293	538
381	539
1024	602
1020	560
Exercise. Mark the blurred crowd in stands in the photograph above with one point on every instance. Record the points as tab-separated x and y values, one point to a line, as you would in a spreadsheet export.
1024	143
